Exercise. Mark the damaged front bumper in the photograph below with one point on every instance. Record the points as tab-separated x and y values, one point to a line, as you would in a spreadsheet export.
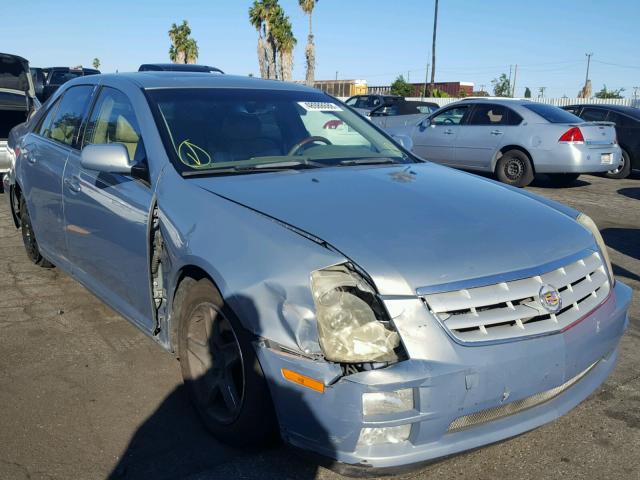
464	397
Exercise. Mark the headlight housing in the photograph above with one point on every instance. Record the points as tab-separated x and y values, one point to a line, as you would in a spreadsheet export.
589	224
352	323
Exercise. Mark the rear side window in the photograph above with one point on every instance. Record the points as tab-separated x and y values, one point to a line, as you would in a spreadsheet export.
552	114
66	122
113	121
623	120
488	114
594	114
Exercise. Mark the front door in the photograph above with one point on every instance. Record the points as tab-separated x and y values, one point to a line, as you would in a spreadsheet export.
434	140
107	214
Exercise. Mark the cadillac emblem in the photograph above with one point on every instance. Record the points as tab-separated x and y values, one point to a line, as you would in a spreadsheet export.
550	298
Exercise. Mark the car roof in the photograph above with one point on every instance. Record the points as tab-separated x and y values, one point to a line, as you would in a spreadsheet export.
631	111
157	80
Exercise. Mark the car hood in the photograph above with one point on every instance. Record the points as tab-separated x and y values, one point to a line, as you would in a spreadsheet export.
412	226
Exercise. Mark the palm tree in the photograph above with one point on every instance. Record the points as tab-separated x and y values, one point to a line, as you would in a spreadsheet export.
184	49
310	50
285	43
261	15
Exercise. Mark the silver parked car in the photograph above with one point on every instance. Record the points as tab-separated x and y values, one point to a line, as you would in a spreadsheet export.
314	277
515	139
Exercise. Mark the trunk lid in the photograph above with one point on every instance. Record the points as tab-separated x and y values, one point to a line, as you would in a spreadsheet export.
15	75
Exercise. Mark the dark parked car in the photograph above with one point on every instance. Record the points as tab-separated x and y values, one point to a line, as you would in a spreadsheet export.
627	120
401	113
177	67
17	101
53	77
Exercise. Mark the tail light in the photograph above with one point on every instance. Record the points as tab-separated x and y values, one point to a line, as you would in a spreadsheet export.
573	135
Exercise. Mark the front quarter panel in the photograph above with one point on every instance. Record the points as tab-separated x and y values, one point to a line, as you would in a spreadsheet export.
261	268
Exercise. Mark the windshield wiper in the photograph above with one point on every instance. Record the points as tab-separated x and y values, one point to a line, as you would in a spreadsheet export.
368	161
256	167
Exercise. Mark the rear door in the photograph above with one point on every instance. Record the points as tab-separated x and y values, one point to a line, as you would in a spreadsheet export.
107	214
46	151
489	126
434	140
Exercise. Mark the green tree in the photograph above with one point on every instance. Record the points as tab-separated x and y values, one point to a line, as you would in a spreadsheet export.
96	63
527	92
501	86
310	50
401	87
437	93
261	16
604	93
284	43
184	49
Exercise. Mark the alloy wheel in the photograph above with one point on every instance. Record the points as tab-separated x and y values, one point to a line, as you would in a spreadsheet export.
514	169
215	363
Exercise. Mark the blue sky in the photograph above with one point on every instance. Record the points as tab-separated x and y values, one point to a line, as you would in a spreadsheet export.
371	39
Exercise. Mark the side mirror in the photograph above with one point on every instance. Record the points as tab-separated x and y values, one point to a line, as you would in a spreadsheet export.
405	141
424	123
108	158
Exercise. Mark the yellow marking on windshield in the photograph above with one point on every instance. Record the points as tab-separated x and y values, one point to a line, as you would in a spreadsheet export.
193	156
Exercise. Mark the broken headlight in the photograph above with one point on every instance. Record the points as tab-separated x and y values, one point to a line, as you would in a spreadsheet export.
352	323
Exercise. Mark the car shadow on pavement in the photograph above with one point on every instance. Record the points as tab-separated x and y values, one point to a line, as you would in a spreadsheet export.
632	192
173	443
544	181
624	240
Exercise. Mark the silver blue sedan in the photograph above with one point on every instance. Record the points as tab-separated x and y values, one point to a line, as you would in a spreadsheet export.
315	278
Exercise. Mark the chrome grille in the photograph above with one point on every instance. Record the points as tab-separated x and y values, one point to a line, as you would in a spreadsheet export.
511	310
512	408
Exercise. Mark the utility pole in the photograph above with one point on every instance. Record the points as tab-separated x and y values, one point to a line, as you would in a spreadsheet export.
433	47
515	76
426	80
408	76
510	67
589	55
336	75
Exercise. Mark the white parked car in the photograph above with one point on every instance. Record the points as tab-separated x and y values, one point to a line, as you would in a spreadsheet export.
515	139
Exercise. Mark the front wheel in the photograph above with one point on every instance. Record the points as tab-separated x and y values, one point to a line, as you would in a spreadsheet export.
514	168
623	170
220	369
29	238
563	179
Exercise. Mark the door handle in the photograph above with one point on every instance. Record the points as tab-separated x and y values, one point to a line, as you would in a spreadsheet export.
448	132
496	132
31	159
72	184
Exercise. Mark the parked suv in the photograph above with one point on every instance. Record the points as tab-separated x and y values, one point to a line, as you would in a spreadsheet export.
56	76
515	139
627	120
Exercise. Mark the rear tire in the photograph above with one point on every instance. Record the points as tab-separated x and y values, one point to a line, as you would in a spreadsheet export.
515	168
624	170
563	179
220	368
29	238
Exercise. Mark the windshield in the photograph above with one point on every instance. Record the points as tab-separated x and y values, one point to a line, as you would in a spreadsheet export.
58	77
553	114
13	73
207	129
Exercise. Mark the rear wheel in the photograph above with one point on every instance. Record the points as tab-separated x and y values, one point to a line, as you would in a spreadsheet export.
220	368
514	168
563	179
623	170
29	238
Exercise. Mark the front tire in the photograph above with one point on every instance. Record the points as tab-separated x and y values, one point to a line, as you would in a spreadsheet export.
29	238
514	168
220	368
624	170
563	179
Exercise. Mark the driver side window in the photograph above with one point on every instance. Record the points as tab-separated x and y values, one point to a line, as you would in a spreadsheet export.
451	116
113	121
